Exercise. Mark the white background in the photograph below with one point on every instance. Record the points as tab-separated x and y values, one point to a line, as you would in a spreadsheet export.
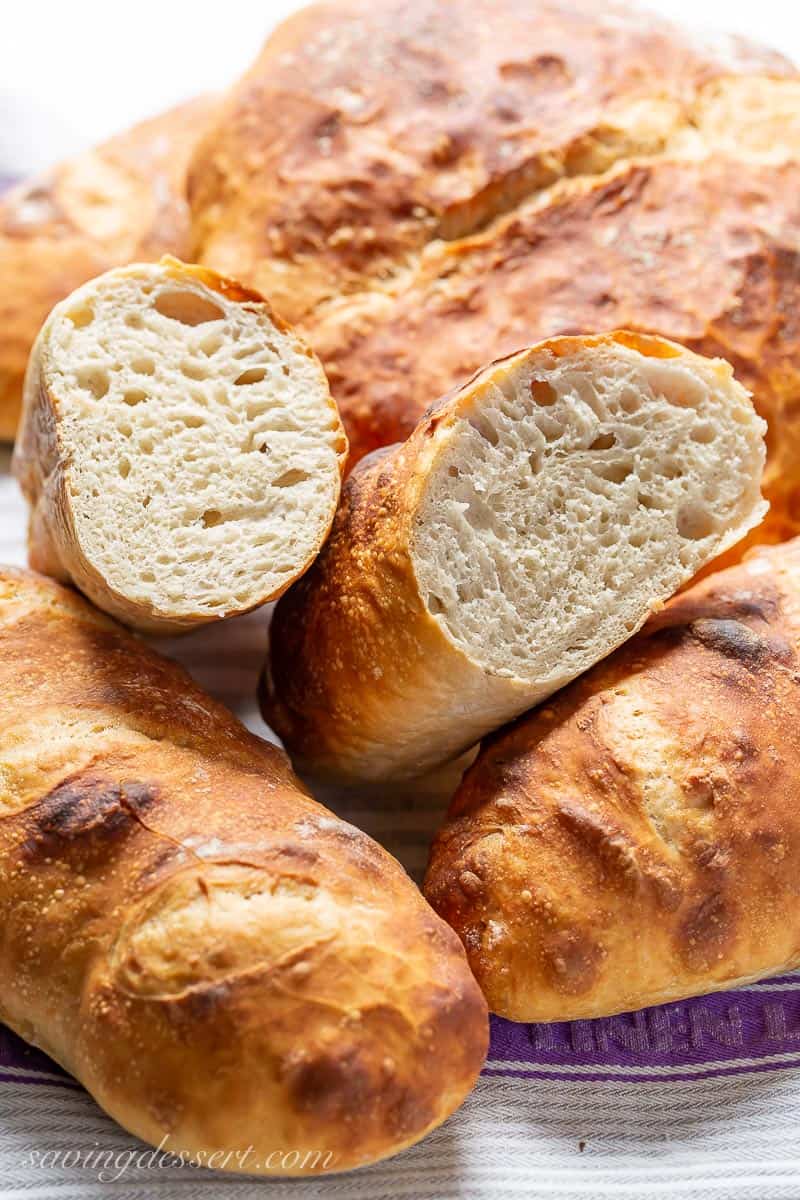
76	72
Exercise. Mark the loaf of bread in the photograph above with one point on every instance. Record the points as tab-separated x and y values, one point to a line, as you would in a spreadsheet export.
179	447
422	208
366	130
222	962
527	527
703	252
123	201
637	840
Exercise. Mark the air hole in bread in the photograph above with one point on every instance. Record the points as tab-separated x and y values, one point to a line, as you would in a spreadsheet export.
603	441
251	375
212	517
549	428
290	478
194	371
190	308
630	402
143	366
133	396
81	316
93	380
703	433
124	467
485	429
614	472
211	344
694	521
543	393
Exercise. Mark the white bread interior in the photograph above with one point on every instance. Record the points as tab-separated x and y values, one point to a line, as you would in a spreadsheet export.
202	451
574	494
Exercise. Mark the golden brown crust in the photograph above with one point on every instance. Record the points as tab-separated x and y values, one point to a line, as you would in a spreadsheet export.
637	840
213	954
638	236
121	202
363	681
393	123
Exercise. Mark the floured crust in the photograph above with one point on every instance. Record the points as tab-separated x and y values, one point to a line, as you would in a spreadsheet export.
637	840
217	958
123	201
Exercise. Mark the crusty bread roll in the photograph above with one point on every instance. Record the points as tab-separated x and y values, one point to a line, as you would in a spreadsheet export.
124	201
527	527
222	962
637	840
179	447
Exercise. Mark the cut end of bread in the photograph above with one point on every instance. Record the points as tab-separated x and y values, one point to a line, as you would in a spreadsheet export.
201	451
575	487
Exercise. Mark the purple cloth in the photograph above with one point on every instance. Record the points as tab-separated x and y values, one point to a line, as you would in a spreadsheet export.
751	1029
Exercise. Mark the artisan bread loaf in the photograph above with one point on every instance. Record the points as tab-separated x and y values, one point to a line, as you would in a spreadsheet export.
180	448
528	526
221	962
124	201
422	209
704	252
364	131
637	839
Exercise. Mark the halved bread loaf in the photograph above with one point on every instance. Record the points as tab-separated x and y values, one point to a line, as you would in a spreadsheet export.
637	839
527	527
180	447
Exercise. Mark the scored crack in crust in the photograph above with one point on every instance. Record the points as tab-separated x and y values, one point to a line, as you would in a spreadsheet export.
454	181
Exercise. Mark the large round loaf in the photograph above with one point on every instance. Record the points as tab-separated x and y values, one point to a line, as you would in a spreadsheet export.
222	962
440	183
528	526
637	839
